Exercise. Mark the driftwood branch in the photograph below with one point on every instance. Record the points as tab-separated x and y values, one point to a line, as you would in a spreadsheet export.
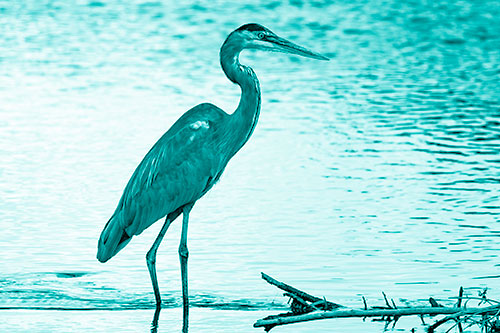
306	307
424	310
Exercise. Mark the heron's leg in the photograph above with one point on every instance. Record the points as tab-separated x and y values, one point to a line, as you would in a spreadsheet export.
151	255
183	256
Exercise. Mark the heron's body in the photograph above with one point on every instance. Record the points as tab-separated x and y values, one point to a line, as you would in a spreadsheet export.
182	166
191	156
169	178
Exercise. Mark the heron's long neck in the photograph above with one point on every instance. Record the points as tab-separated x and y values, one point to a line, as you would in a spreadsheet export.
244	119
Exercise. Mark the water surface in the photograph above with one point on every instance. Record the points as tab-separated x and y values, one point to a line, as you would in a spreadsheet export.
378	170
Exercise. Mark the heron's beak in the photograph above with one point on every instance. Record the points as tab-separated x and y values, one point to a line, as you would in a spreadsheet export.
283	45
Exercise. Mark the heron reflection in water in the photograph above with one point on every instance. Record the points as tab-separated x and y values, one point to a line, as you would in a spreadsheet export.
190	158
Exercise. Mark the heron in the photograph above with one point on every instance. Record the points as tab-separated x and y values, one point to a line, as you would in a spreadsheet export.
190	157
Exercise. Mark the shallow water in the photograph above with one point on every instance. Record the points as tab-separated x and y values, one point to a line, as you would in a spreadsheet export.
378	170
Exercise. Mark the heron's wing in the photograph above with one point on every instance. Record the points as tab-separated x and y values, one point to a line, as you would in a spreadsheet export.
178	170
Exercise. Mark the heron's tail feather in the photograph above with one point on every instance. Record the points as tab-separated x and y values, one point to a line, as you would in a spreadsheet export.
113	239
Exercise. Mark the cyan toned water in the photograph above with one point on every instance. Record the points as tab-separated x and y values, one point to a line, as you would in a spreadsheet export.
378	170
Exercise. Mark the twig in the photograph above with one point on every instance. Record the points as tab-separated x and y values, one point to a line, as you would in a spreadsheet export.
386	301
460	295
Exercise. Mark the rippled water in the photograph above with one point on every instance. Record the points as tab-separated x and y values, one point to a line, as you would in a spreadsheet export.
378	170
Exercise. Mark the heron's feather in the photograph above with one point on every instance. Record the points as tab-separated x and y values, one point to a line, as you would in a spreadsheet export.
176	171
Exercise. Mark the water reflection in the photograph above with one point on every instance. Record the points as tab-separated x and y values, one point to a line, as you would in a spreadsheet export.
78	291
156	316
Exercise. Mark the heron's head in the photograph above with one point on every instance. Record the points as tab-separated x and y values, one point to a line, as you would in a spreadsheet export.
255	36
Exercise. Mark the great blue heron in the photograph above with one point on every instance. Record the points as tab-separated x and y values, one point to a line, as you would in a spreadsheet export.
191	156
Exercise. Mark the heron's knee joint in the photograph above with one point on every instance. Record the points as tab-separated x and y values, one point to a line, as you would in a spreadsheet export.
183	252
151	257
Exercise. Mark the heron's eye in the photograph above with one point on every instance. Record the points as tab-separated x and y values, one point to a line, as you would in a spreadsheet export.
260	35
